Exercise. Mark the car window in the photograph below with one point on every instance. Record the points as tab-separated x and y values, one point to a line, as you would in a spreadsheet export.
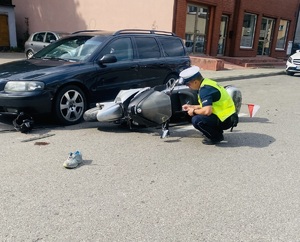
39	37
147	47
172	46
74	48
120	48
50	37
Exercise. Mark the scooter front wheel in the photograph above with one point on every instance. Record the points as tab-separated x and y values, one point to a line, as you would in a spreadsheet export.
91	114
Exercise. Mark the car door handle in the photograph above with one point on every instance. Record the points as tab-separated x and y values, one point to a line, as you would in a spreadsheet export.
135	67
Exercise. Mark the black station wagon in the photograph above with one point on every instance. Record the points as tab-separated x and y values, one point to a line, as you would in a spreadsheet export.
72	74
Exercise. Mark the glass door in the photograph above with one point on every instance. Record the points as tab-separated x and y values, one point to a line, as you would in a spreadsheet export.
196	28
223	32
265	36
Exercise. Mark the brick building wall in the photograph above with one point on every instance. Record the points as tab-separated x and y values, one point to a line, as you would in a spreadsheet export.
275	9
235	9
228	5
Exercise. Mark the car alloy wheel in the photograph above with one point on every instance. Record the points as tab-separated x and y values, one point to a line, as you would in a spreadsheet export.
70	105
29	54
171	78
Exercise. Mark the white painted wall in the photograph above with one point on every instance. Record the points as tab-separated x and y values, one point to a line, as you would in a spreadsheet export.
74	15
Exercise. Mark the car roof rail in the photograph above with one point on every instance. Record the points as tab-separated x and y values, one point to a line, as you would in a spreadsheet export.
143	31
87	31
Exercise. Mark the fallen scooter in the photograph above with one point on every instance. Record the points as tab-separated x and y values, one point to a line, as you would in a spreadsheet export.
151	107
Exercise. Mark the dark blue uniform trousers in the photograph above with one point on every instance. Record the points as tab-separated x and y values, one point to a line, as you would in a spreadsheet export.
211	126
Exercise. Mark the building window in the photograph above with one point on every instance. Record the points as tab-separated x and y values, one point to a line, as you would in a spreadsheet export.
282	34
248	30
195	28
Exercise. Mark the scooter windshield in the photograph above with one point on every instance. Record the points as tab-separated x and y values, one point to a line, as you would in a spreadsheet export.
156	107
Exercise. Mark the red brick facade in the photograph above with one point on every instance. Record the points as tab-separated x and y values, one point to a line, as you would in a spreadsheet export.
274	9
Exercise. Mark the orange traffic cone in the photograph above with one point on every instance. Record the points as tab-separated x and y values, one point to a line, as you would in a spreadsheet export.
253	108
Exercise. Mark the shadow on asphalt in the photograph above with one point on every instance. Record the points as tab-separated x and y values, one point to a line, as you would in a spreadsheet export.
237	138
178	132
231	139
6	124
41	125
254	120
156	131
240	139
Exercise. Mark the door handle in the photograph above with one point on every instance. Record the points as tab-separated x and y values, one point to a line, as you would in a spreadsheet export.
135	67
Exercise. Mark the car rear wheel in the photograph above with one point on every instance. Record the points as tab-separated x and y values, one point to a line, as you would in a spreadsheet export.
29	54
171	78
70	104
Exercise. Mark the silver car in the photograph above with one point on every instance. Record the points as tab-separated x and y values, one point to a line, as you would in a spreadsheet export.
39	40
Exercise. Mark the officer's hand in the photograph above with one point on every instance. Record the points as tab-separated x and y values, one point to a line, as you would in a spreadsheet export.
186	107
190	111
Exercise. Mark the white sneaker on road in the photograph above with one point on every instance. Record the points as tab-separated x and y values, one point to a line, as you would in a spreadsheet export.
73	160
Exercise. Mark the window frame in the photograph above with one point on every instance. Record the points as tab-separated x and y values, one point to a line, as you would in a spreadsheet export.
285	36
252	33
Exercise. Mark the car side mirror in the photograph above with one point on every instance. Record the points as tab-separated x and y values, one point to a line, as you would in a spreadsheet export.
107	59
297	51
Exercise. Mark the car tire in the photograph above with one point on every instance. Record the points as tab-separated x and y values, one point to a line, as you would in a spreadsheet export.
69	105
290	73
29	54
171	78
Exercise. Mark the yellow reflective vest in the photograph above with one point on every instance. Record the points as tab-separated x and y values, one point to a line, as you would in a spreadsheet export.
224	107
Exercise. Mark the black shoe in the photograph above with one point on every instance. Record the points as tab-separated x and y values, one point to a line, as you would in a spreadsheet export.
213	141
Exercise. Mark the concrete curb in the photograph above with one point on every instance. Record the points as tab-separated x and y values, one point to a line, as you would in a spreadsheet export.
247	76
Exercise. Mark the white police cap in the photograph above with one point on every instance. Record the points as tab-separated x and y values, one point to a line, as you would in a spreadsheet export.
189	74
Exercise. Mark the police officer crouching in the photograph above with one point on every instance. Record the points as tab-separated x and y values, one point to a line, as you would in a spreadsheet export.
216	110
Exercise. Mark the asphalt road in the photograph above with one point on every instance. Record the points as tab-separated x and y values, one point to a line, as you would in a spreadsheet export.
134	186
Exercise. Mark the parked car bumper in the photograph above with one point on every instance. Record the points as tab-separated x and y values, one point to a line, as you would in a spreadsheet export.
290	67
32	102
